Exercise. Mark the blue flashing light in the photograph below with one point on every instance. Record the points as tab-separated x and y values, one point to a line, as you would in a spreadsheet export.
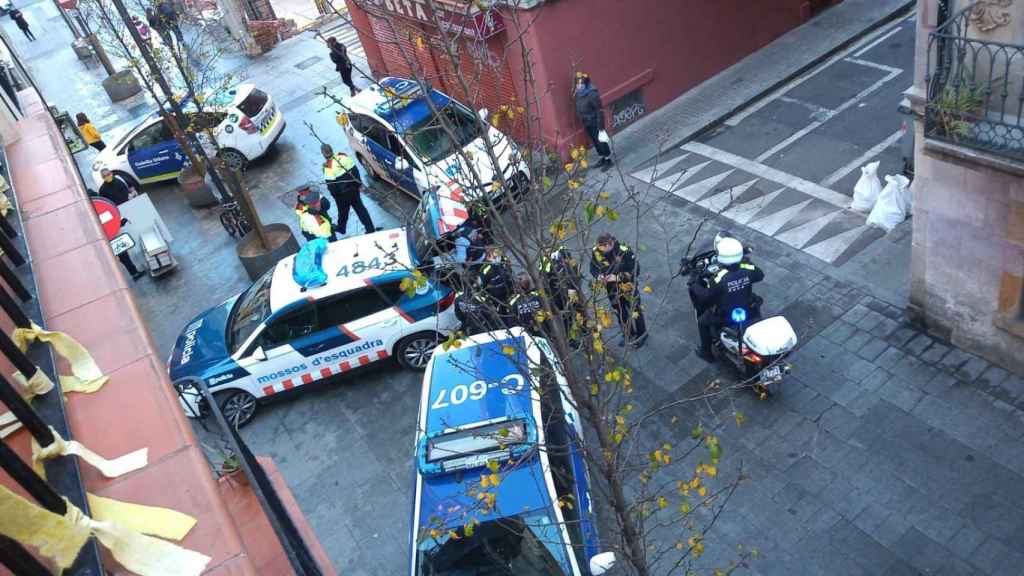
739	315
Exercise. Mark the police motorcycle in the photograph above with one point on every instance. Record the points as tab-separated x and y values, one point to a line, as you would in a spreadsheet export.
757	347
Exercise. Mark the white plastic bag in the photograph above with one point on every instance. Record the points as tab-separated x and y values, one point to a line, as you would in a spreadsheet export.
893	204
866	192
602	136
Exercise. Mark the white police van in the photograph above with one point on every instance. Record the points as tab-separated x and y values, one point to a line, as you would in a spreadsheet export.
397	136
498	404
274	337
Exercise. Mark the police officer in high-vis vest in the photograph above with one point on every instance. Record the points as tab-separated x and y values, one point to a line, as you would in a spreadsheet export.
614	264
562	274
344	183
527	306
311	208
732	287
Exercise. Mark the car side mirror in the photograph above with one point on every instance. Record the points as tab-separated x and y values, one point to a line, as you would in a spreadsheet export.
602	563
259	354
483	113
401	164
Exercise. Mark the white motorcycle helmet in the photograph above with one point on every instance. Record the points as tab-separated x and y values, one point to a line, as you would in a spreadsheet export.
730	251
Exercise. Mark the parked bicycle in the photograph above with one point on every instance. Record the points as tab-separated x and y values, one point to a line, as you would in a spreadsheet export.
233	221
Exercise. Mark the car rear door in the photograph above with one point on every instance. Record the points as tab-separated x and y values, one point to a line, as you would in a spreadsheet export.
368	316
154	154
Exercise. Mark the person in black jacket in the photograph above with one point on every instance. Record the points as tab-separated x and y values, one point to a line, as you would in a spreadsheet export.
562	274
591	114
339	55
615	265
731	288
117	191
19	19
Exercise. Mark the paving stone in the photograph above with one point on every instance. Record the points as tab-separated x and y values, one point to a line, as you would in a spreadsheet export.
855	313
815	406
922	552
845	499
901	394
811	475
993	376
839	421
856	369
1014	386
989	557
863	402
994	516
966	541
940	525
939	383
876	379
890	531
857	340
867	552
890	359
872	349
790	495
902	568
838	331
901	336
907	367
973	368
922	376
955	359
871	517
886	327
918	344
935	353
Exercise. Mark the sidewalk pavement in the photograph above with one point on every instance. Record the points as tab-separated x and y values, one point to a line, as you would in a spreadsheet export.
759	73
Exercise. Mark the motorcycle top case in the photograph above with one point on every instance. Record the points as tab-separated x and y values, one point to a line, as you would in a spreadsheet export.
770	337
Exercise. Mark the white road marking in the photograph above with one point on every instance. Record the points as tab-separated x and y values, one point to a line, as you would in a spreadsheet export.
829	250
742	213
862	159
877	66
809	105
813	125
723	199
698	190
781	90
876	42
802	234
769	173
772	223
648	174
673	181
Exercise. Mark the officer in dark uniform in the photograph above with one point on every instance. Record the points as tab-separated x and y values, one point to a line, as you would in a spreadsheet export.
527	306
615	264
496	282
731	288
562	274
472	311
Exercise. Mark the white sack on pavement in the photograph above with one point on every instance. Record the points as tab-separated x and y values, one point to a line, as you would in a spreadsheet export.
893	205
868	187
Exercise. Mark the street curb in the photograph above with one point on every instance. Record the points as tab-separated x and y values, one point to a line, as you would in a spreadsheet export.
875	25
893	15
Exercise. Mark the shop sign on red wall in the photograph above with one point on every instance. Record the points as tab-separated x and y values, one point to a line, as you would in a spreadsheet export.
480	24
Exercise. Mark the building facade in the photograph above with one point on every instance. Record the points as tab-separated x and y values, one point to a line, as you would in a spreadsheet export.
640	53
968	221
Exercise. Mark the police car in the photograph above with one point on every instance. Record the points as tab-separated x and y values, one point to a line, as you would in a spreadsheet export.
274	337
244	120
499	404
397	137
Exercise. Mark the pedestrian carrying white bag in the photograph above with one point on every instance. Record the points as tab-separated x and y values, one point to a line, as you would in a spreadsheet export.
602	136
868	187
893	205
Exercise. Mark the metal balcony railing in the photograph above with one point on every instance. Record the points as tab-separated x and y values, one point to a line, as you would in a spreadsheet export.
975	86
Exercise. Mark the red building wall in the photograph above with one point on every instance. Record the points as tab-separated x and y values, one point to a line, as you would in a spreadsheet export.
664	47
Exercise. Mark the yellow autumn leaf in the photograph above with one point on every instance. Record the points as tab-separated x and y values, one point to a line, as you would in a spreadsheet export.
508	350
494	480
702	491
493	465
711	471
647	290
684	507
484	480
342	119
419	42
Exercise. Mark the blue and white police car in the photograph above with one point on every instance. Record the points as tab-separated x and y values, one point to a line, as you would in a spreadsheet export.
498	404
244	120
274	337
398	137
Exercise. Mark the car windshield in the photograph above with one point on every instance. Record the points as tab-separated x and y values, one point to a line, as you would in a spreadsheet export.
529	544
432	141
250	311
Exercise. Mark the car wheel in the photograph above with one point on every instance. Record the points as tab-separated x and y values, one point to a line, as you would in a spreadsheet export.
414	352
128	178
238	406
233	159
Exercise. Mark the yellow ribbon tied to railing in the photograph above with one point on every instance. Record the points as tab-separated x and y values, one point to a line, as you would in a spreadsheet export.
109	468
37	385
61	537
85	376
